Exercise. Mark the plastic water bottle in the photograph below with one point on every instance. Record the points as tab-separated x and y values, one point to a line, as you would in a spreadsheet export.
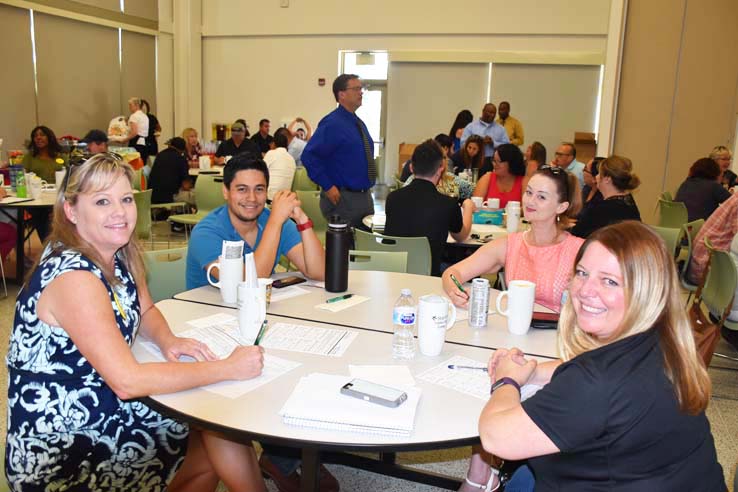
403	318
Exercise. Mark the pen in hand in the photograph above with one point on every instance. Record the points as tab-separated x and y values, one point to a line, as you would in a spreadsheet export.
458	284
261	333
456	366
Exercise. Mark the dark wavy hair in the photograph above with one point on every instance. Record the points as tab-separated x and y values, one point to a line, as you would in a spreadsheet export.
462	119
54	147
476	161
538	153
511	154
704	168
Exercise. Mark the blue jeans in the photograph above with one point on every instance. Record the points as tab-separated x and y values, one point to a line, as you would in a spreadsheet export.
521	481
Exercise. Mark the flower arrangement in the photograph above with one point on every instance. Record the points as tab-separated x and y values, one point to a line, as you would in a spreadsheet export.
15	157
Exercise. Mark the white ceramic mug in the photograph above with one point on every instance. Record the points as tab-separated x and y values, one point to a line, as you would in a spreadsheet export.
433	321
478	201
521	296
230	273
36	186
204	162
251	311
59	176
492	203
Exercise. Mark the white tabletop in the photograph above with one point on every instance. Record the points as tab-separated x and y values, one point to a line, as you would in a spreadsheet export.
254	415
486	232
47	199
383	289
215	170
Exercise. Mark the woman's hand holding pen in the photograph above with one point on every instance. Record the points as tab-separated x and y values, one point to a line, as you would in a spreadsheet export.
245	362
454	290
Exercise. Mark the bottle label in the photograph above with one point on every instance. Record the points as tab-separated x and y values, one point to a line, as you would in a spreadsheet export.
403	316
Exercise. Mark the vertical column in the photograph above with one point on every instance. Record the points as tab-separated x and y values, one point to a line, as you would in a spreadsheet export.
188	65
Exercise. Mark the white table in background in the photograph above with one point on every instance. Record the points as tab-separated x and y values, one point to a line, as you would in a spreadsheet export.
383	289
445	418
215	170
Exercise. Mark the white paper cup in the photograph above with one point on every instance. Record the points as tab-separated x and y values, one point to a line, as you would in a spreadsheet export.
59	176
230	273
521	296
478	201
493	203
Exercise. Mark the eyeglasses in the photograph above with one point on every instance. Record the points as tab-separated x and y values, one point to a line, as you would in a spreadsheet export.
560	154
360	89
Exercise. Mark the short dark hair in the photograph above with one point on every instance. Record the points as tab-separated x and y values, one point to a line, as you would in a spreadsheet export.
444	140
704	168
511	154
538	153
341	83
503	102
572	147
263	120
427	158
280	138
244	161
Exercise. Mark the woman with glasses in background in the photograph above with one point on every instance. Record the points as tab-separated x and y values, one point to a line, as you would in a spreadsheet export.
615	180
75	421
543	255
508	180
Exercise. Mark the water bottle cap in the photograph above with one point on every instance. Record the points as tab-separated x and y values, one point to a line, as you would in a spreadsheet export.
336	222
406	292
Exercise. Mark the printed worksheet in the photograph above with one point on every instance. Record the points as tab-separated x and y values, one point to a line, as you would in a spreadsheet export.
308	339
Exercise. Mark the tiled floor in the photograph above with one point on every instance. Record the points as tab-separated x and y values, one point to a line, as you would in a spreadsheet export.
722	411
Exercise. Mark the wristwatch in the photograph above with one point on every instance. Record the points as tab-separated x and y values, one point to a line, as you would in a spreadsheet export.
304	227
502	382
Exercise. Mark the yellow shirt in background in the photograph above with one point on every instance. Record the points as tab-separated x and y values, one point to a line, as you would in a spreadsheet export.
514	130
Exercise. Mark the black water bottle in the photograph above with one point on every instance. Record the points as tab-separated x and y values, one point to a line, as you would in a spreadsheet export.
337	245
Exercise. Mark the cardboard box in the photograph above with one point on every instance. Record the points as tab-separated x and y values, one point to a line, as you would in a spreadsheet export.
406	152
586	146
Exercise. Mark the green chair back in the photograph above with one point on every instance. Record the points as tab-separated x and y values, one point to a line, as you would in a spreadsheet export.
670	236
689	233
672	214
666	195
380	261
310	201
143	211
208	193
417	248
720	282
302	182
165	272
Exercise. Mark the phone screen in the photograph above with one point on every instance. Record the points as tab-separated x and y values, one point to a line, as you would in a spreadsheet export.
373	389
287	281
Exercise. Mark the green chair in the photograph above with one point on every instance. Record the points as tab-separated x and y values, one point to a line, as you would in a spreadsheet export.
417	248
670	236
379	261
208	196
310	201
666	195
143	219
672	214
690	230
165	272
302	182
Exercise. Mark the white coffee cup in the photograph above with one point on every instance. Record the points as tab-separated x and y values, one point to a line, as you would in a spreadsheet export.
513	219
492	203
433	321
521	295
478	201
204	162
230	273
251	311
513	204
59	176
36	187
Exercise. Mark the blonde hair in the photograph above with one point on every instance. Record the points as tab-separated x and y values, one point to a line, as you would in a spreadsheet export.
567	190
620	170
187	131
99	172
718	150
136	101
652	300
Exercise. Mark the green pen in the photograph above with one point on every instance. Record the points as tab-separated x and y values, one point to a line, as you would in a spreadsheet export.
261	332
458	284
339	298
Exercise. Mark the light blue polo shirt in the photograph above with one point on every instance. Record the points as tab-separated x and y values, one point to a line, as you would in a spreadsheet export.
206	242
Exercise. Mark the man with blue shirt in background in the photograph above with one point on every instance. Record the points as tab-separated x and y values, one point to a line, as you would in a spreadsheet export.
268	234
492	133
340	156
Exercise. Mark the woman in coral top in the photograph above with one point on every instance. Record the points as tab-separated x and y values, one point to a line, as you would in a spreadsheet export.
544	255
508	179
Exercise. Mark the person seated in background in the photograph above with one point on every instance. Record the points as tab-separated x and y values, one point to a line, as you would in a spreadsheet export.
97	141
723	157
543	255
296	142
566	158
493	135
43	159
719	228
280	163
508	179
535	157
237	144
449	184
7	229
192	149
615	180
702	192
590	193
419	209
262	139
170	174
463	118
624	408
90	428
470	156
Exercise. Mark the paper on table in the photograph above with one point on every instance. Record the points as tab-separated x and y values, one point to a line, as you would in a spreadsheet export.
337	306
13	199
471	382
316	283
387	375
287	292
308	339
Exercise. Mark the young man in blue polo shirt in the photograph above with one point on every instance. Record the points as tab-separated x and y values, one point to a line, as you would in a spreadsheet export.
268	234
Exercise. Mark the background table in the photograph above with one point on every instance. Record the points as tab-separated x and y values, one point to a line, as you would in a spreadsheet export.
383	290
445	418
46	201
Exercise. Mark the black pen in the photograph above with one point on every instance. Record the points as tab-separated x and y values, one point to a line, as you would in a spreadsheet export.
456	366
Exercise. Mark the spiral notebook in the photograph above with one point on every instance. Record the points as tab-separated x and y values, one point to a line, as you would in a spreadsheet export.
317	402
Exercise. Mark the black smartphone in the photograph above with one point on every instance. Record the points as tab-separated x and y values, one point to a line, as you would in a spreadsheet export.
287	281
545	321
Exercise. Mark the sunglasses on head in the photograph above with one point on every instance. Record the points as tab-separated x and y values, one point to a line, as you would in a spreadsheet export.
76	161
557	171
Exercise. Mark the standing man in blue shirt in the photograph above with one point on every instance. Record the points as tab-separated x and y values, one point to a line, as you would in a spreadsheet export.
340	156
492	133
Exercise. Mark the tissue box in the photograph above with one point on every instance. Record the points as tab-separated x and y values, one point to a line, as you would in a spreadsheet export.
493	217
